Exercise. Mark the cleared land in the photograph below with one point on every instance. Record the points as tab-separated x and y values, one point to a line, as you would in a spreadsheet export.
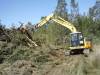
53	62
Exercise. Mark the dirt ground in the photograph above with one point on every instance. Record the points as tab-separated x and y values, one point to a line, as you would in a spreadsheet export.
61	65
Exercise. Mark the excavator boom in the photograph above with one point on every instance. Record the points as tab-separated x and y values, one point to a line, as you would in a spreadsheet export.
65	24
58	20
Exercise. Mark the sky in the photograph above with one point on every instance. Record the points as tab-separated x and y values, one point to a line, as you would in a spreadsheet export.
15	11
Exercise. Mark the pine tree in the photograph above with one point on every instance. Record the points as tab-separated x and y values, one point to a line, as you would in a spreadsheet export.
74	10
61	9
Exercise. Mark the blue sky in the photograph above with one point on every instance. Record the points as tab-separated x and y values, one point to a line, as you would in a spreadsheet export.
13	11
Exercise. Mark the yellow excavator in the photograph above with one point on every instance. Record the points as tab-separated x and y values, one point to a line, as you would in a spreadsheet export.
78	43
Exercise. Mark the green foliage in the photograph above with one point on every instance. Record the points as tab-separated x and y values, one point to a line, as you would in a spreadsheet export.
40	59
88	26
56	33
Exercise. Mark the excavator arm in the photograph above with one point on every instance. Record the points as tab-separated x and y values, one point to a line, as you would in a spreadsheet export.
58	20
44	20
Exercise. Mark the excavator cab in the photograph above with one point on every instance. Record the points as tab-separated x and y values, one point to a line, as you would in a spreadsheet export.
77	39
76	43
79	44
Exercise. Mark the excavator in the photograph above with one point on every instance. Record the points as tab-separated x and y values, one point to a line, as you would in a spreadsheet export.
78	43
